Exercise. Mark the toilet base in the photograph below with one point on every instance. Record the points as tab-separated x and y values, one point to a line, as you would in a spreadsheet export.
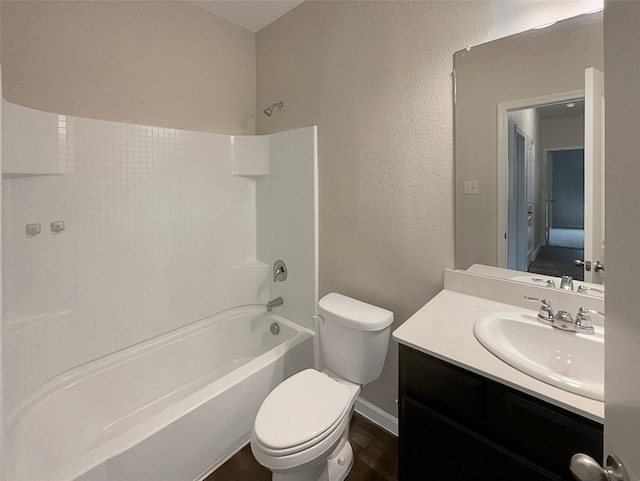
339	466
336	468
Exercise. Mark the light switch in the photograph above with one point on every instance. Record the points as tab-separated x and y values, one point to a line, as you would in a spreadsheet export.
471	187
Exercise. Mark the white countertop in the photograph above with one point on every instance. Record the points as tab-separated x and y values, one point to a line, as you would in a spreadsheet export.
443	328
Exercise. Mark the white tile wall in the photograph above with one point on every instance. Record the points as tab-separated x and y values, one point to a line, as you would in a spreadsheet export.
21	155
287	220
158	234
250	154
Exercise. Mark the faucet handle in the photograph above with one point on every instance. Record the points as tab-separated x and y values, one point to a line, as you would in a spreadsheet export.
583	288
279	270
548	282
583	322
545	302
545	313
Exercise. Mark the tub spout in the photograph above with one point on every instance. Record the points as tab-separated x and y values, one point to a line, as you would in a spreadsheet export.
278	301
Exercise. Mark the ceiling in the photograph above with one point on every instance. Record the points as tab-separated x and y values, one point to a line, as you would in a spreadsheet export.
251	14
561	110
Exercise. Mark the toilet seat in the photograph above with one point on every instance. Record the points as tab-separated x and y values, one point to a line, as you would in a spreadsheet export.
315	454
301	412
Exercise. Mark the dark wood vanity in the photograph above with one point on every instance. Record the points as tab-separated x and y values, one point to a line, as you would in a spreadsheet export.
455	424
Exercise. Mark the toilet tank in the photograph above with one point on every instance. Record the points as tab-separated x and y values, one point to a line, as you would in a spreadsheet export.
354	337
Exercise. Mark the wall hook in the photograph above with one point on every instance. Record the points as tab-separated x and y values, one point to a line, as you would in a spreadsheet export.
33	230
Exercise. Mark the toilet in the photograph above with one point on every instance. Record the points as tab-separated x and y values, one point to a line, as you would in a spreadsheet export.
301	430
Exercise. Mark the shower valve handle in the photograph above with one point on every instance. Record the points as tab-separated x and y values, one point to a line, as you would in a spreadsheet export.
279	270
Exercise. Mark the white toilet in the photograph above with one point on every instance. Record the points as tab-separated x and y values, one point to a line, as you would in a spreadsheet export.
301	430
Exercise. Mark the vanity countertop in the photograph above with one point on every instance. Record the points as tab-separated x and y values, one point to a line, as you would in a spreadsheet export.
443	328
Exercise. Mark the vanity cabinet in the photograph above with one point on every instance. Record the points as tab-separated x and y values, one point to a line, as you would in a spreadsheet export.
455	424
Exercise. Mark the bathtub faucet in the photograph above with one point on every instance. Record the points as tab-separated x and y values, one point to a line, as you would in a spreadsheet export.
278	301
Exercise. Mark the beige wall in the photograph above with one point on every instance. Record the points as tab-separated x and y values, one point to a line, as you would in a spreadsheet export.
169	64
622	176
540	62
376	79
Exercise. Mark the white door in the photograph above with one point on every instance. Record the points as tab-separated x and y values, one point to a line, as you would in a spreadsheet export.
530	173
594	176
521	207
522	202
622	355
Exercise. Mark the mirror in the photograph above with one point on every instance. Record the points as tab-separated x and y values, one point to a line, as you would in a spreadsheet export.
517	148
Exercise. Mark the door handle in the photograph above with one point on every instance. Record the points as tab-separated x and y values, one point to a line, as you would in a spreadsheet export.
585	264
598	266
585	468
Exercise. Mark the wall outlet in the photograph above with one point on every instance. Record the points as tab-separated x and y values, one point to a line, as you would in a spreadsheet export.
471	187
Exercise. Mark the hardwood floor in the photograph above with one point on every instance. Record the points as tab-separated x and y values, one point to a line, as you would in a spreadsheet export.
375	457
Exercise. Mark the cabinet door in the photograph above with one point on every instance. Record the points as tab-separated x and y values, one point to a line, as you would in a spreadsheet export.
450	390
546	434
433	447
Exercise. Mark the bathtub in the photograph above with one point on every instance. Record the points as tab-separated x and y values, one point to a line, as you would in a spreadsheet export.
173	408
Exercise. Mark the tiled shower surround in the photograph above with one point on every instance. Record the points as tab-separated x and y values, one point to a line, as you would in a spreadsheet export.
158	233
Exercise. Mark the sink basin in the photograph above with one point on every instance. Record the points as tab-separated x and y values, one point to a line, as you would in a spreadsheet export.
573	362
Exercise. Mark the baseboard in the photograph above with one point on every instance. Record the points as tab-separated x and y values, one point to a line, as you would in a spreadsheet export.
377	416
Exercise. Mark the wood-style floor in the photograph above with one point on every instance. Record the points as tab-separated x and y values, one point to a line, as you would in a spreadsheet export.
558	262
375	457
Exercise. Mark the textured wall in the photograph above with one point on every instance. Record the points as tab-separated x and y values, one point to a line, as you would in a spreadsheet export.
376	79
170	64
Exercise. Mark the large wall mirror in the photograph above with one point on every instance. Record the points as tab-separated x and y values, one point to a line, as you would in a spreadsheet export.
529	146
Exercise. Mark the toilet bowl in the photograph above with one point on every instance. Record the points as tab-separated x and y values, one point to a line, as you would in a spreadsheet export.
301	430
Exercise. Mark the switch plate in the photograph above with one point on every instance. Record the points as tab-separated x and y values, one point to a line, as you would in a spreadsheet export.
471	187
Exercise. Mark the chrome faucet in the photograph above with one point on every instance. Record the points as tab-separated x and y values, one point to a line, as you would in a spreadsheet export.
563	320
566	283
278	301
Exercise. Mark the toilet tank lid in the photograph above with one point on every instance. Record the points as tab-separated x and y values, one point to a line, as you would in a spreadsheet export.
353	313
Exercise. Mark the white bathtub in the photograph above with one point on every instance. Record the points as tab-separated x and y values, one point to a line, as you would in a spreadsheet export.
173	408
